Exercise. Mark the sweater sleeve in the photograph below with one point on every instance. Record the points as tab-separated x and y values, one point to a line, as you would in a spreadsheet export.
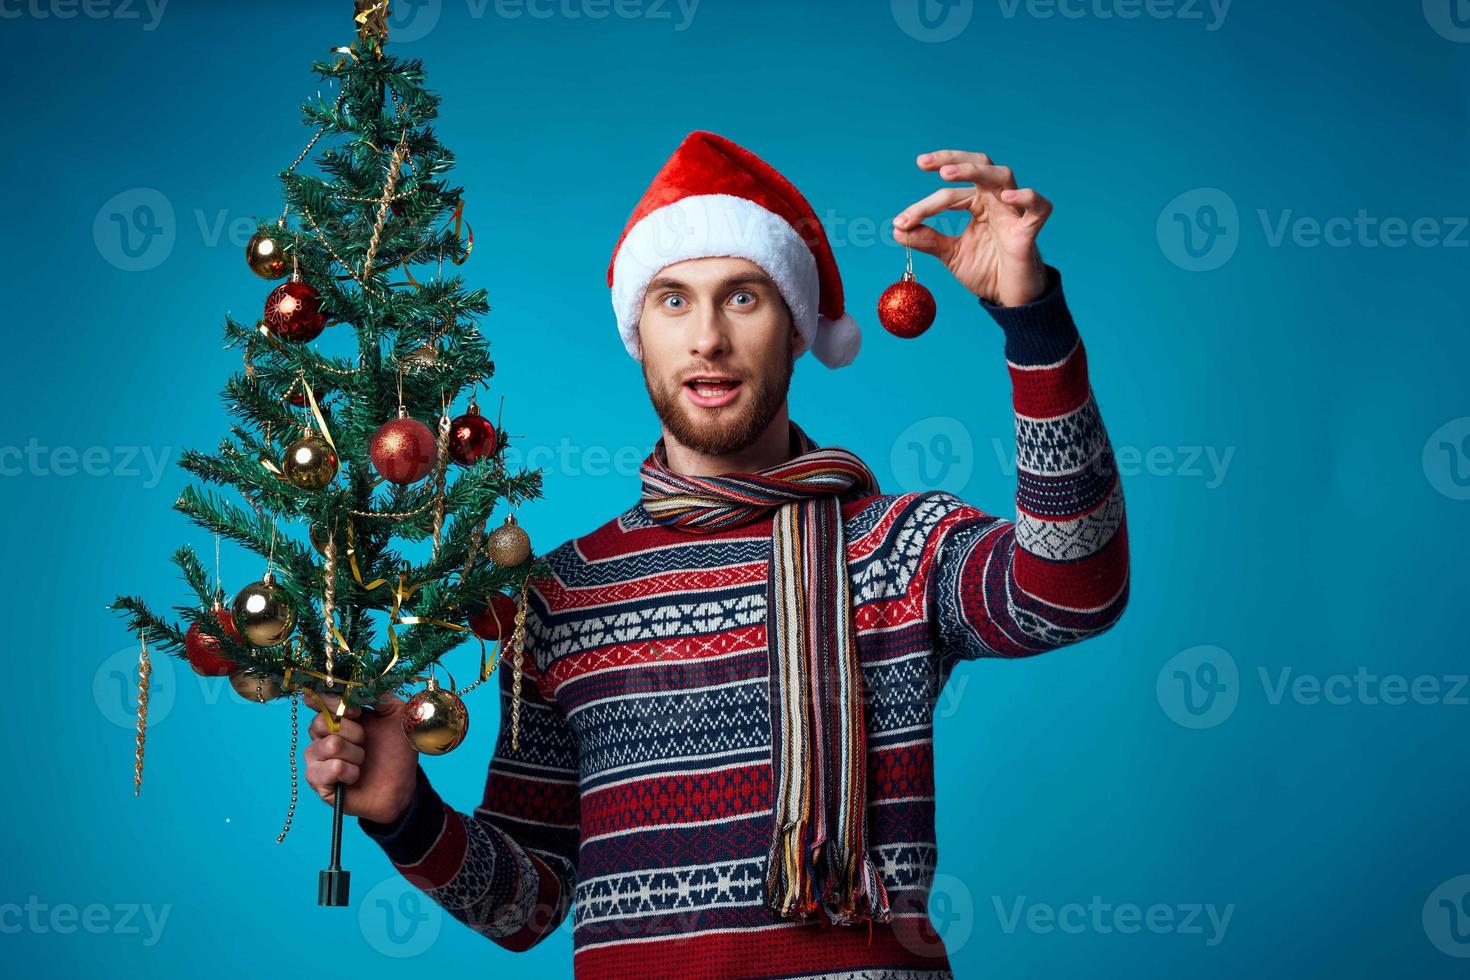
1058	573
508	869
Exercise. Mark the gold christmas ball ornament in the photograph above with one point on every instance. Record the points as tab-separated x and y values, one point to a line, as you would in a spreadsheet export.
309	463
435	720
255	687
266	255
263	613
508	545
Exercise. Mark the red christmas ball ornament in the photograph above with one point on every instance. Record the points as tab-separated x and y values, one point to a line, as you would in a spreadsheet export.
906	309
403	450
496	620
471	437
293	312
203	650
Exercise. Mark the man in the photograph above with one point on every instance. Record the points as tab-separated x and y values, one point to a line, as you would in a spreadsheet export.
724	760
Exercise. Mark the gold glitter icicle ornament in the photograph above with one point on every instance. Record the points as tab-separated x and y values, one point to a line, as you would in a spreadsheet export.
508	545
263	613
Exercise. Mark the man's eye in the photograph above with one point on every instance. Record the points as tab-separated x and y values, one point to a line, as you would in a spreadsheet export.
743	298
674	302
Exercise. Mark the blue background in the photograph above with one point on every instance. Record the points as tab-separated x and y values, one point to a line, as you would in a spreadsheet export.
1160	764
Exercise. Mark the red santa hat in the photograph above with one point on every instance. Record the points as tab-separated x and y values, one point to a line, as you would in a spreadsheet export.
715	198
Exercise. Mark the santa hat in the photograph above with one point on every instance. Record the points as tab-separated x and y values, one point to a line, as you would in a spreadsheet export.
714	198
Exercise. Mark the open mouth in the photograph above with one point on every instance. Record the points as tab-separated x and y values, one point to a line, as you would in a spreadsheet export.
712	391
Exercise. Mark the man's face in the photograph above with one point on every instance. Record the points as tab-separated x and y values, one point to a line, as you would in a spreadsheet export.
718	345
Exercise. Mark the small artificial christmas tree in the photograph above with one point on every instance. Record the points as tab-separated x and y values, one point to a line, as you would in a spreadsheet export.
358	452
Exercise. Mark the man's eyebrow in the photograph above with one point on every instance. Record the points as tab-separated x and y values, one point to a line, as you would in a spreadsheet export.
743	279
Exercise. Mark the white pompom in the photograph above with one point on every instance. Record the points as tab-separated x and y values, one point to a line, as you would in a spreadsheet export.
837	341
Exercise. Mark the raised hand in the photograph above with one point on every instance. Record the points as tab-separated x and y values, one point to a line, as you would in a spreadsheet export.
996	256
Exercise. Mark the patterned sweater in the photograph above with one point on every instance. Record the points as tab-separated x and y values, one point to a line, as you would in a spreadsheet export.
640	800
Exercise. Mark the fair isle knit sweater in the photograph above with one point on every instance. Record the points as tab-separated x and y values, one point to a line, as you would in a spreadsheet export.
640	799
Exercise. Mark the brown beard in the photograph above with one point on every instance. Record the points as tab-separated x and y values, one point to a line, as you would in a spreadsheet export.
732	432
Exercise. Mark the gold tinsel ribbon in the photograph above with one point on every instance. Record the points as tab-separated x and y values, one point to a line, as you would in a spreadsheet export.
462	228
372	30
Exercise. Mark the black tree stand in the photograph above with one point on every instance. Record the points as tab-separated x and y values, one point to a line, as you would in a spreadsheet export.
333	884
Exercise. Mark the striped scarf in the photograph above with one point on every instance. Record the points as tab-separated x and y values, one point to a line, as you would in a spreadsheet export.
819	855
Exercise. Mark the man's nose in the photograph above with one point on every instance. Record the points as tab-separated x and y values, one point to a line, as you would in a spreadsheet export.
711	332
